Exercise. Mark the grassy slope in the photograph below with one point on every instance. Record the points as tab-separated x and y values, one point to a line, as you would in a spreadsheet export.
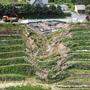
13	64
26	88
79	58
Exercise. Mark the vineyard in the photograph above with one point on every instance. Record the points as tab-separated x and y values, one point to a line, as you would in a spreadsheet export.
13	58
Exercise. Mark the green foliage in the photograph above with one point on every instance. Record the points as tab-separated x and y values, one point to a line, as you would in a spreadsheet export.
24	69
81	66
12	61
88	9
28	87
55	76
9	48
11	54
30	11
11	77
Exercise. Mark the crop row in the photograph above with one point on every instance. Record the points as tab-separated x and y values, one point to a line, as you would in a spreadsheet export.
80	48
10	42
27	87
71	43
80	30
80	66
9	32
11	77
12	48
10	37
12	61
24	69
80	55
11	54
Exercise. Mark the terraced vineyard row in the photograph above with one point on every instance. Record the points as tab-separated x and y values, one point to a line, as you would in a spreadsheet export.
79	60
13	59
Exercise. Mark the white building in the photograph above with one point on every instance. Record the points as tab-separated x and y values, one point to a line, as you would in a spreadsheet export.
38	2
80	9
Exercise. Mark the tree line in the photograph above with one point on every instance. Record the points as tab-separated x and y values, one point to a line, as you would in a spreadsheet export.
29	11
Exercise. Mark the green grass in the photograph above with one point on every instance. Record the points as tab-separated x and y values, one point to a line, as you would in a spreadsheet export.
11	48
12	61
12	54
10	1
12	77
28	87
23	69
13	64
79	59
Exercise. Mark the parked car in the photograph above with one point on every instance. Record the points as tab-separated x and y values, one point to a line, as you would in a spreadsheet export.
10	19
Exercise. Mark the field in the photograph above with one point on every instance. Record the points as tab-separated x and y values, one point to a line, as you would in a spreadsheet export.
26	88
10	1
17	63
79	60
13	58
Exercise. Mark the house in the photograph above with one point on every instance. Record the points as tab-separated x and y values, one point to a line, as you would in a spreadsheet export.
38	2
80	9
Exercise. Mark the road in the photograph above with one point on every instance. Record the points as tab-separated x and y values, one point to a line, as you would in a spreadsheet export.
75	18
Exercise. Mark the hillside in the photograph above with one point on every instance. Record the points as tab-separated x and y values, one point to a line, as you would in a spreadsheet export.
13	59
61	58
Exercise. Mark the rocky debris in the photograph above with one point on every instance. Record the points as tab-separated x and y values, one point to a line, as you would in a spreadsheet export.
42	74
48	27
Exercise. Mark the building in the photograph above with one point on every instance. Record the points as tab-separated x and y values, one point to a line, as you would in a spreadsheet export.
38	2
80	7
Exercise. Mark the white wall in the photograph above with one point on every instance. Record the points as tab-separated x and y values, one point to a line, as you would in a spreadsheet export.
79	7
